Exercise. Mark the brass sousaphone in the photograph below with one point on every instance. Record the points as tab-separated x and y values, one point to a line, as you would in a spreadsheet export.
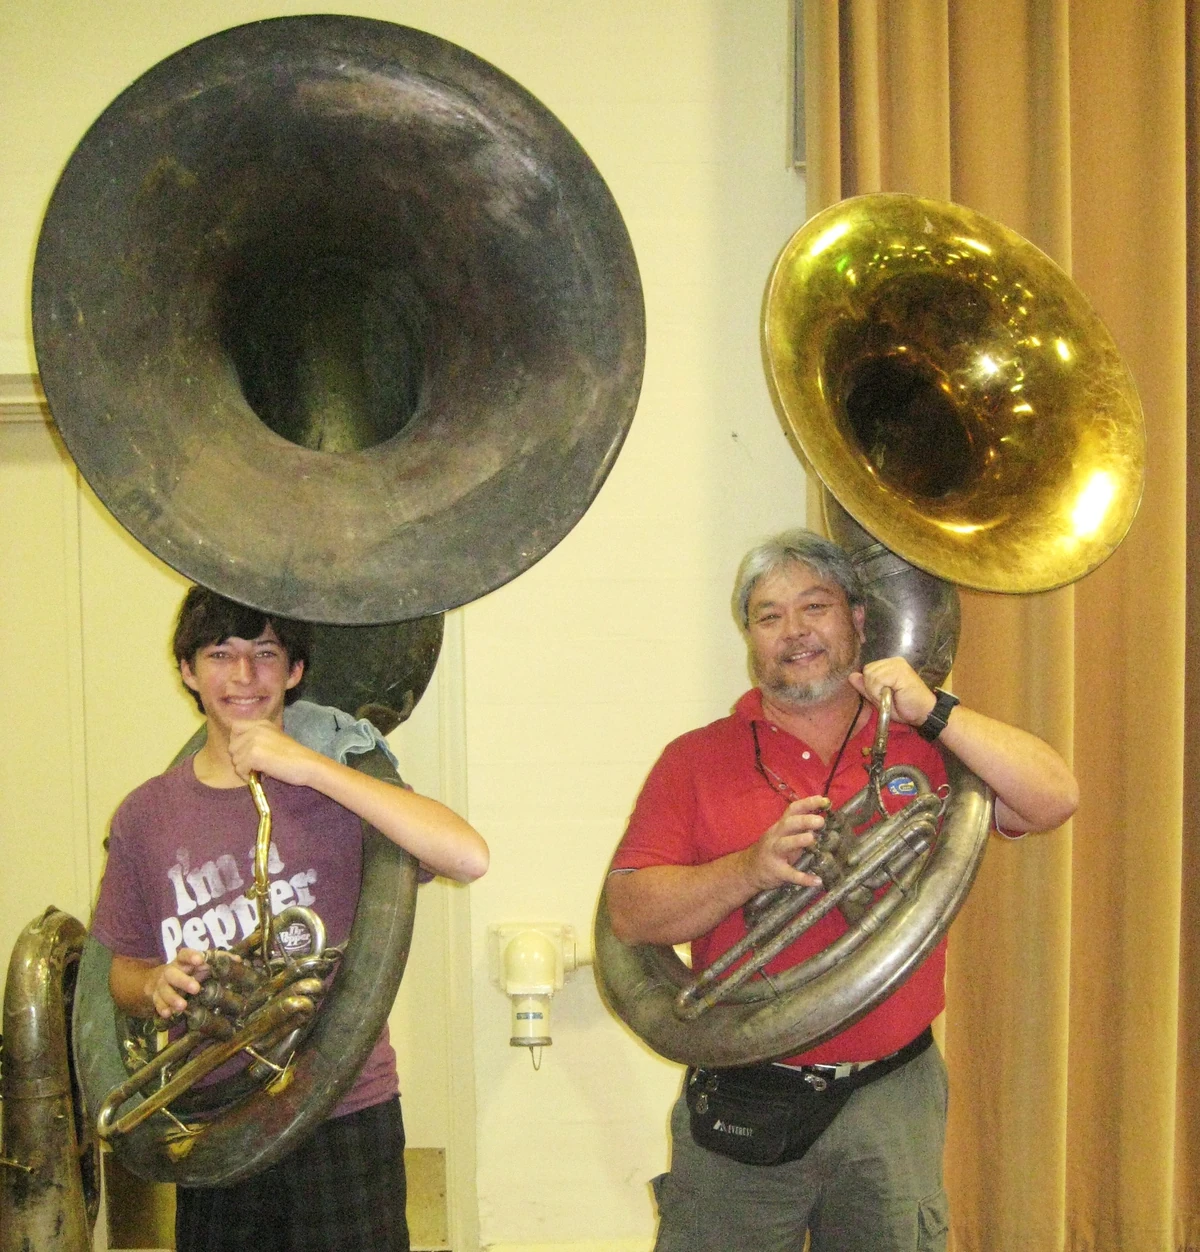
965	406
340	321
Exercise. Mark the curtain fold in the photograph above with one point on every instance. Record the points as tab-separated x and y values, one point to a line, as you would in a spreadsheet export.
1187	1108
1073	1005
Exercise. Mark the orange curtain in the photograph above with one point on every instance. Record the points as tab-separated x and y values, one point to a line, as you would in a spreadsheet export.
1073	987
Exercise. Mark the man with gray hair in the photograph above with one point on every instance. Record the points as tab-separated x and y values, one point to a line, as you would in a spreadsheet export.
725	813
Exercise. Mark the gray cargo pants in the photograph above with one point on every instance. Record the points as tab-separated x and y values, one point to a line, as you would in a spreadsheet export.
871	1183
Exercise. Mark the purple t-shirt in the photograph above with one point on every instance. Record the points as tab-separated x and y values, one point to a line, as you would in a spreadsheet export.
181	865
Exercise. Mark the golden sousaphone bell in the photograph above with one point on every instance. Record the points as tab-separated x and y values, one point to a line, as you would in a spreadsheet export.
339	321
969	413
955	392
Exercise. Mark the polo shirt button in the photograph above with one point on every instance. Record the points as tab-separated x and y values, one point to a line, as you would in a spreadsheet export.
806	755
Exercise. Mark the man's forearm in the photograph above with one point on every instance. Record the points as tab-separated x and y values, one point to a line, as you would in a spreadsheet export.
1035	789
669	904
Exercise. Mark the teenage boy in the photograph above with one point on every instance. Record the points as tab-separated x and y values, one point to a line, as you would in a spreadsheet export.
180	864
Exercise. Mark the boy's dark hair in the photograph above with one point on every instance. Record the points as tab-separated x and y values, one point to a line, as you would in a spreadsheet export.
206	618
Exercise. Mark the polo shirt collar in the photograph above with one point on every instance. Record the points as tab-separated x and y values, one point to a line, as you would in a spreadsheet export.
749	708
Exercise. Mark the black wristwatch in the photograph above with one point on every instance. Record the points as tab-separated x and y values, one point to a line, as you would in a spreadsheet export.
935	723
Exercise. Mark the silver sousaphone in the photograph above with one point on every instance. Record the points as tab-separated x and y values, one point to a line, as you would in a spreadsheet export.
968	411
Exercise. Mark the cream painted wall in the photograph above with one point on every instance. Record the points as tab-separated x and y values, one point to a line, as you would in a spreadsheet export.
572	678
579	672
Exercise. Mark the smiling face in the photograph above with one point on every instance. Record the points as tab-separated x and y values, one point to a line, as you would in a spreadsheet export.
804	636
242	679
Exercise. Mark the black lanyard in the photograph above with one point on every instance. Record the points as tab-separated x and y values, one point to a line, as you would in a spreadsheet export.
776	783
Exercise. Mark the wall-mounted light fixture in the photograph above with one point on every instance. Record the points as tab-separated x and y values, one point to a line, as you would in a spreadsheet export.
528	961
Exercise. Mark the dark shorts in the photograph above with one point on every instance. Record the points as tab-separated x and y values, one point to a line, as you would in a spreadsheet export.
343	1190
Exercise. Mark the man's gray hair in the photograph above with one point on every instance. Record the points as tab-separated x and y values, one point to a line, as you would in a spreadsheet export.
794	547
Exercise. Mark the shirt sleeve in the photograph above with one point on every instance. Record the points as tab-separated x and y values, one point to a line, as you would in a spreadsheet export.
661	830
121	921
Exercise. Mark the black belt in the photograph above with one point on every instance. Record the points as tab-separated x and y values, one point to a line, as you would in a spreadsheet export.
818	1077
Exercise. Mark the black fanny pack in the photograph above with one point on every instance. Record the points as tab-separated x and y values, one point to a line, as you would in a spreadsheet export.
769	1114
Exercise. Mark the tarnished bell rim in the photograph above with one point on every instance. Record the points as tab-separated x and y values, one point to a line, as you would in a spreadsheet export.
337	319
955	392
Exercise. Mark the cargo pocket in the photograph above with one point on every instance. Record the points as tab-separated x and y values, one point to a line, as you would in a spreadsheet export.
656	1185
677	1217
933	1223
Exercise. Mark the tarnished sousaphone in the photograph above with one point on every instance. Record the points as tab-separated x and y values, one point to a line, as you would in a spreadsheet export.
341	322
963	403
49	1153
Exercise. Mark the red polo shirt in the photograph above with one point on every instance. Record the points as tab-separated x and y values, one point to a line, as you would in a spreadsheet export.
704	799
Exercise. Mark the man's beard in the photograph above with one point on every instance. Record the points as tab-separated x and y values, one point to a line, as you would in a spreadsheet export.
806	694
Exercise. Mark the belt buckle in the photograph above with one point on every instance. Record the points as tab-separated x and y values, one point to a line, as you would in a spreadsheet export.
819	1077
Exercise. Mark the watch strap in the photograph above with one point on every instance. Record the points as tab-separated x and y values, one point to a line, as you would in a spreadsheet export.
935	723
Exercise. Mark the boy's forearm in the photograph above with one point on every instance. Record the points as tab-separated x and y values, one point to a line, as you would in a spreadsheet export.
434	834
440	839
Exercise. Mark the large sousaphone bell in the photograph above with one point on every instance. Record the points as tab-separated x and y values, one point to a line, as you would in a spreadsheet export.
969	412
339	321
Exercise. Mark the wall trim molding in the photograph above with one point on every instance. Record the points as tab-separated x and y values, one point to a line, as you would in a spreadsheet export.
590	1245
461	1159
22	399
